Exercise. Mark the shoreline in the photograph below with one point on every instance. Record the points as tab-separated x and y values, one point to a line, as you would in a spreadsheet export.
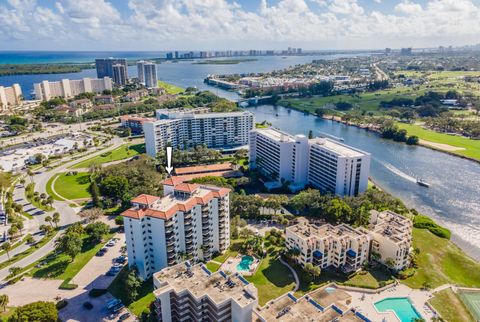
456	239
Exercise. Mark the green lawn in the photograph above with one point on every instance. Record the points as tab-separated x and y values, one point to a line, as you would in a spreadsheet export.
440	262
145	293
472	147
450	306
272	279
212	267
61	267
171	89
5	315
123	152
72	187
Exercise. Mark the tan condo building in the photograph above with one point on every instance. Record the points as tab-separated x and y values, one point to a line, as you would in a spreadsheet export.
10	97
338	246
391	235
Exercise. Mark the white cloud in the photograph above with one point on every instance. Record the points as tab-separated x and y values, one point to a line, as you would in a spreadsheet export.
197	24
408	8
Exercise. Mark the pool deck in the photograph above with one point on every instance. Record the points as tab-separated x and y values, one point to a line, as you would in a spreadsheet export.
367	308
231	263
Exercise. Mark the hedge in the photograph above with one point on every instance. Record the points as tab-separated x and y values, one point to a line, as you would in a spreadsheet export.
424	222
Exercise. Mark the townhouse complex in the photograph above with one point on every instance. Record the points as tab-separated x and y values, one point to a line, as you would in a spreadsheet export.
186	128
190	221
329	246
391	238
67	88
192	293
321	162
387	239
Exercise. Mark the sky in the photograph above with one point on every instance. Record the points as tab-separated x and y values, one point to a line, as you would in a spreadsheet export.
161	25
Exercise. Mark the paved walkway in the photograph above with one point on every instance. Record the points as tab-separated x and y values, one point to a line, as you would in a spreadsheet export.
297	280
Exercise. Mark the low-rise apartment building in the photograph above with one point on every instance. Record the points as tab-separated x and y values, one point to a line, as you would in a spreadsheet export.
185	129
67	88
391	236
135	123
189	221
387	239
338	246
320	162
192	293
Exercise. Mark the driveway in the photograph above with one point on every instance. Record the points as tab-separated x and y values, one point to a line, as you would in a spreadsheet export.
91	276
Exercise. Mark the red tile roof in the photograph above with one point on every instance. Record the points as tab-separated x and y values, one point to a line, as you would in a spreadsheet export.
173	181
204	168
186	187
145	199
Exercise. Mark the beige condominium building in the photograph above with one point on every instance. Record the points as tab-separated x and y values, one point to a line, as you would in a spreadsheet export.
190	221
338	246
391	235
185	129
67	88
192	293
10	97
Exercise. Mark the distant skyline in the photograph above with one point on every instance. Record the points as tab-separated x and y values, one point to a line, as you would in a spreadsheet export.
159	25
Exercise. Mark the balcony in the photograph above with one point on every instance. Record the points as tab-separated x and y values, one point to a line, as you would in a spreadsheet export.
169	223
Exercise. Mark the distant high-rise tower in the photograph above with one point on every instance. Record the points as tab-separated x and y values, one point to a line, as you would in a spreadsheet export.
140	71
150	75
104	68
119	74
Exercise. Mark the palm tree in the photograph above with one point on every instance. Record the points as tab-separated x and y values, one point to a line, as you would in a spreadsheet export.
4	301
49	220
56	219
30	174
7	247
22	182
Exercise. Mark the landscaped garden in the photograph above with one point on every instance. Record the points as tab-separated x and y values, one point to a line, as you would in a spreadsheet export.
123	152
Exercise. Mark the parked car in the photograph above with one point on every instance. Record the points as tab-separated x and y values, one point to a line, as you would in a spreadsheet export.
124	316
110	243
88	305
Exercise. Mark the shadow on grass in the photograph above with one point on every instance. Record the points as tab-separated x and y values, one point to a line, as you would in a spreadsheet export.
277	274
117	289
139	148
83	179
52	270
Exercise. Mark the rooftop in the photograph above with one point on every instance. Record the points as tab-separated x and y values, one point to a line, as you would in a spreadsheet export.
391	225
204	168
166	207
307	230
276	135
199	283
337	147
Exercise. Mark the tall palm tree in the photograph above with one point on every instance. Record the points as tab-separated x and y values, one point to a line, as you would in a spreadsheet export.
7	247
56	219
49	220
4	301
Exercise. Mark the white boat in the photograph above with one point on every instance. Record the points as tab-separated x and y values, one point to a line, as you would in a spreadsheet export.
422	183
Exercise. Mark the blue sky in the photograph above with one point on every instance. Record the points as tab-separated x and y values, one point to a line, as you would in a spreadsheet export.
240	24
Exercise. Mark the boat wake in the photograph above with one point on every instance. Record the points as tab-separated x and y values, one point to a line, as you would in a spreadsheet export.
399	172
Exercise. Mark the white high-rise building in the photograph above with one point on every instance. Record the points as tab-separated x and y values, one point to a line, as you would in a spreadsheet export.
140	71
324	163
183	129
69	88
192	293
150	74
10	97
189	221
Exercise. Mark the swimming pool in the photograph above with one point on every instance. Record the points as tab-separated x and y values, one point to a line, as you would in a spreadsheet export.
244	265
402	307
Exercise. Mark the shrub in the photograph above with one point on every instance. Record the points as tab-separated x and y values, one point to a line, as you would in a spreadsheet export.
67	286
424	222
119	220
97	292
61	304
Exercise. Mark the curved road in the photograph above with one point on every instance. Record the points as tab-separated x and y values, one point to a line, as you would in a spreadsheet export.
68	215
